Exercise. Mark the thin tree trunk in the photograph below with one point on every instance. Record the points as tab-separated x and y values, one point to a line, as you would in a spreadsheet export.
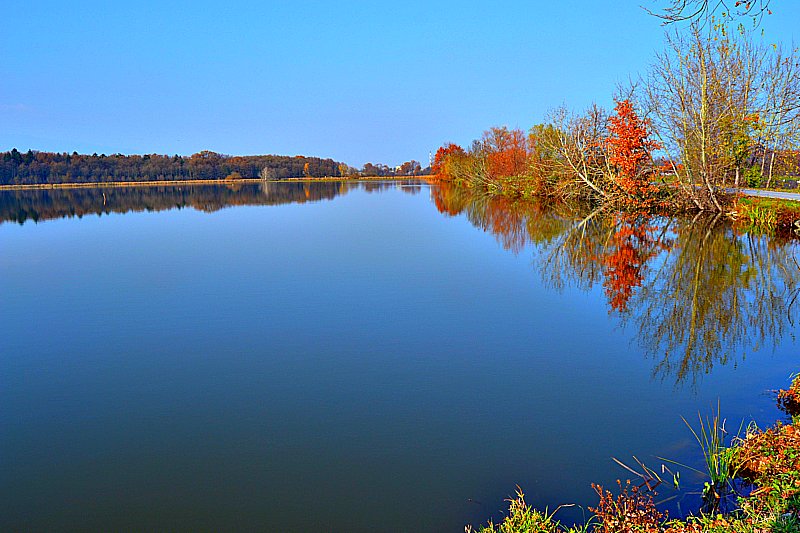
771	165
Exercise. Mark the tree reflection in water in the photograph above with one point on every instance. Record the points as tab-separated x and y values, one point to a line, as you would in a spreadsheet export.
21	206
696	291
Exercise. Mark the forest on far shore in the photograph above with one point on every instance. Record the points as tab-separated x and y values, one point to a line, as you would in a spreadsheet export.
32	167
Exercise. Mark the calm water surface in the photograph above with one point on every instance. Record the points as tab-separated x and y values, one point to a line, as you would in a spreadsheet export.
362	357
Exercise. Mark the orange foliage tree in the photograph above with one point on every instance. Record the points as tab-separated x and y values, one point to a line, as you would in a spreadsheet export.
439	167
506	152
630	153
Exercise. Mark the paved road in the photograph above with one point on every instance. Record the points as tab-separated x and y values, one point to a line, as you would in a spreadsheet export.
768	194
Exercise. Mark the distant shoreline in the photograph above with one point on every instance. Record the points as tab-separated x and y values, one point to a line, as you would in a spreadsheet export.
167	183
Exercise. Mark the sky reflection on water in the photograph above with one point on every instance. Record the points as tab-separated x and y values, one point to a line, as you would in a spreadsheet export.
342	357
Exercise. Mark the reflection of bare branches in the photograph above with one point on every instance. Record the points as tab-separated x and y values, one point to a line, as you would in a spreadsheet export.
572	258
710	297
674	313
718	297
713	297
794	296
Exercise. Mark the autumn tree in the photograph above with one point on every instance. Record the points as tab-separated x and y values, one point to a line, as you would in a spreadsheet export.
717	97
442	159
377	169
630	154
410	168
691	96
506	152
542	158
579	148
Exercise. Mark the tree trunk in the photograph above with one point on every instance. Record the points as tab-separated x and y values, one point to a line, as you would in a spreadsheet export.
771	165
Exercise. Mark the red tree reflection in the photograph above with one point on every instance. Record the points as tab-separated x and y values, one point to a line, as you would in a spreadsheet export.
624	264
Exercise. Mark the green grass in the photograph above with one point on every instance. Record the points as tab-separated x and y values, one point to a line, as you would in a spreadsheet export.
718	457
522	518
767	215
770	203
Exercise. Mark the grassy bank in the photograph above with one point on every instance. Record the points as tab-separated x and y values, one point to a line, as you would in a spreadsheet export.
760	470
767	215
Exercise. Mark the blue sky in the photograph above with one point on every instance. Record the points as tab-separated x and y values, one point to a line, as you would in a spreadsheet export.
355	81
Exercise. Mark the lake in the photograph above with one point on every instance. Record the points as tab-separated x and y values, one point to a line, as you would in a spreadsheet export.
374	356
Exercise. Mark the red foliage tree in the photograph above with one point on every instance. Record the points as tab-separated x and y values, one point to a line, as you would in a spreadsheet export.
507	152
630	152
440	159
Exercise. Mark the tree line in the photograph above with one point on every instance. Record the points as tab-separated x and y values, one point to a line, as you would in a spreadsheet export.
408	168
32	167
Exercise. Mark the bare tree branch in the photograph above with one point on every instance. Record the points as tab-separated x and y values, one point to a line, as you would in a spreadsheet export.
693	10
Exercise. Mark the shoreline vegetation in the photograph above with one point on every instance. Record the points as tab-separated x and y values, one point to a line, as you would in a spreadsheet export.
752	214
753	487
718	109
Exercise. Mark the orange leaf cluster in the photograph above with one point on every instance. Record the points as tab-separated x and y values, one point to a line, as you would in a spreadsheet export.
507	152
440	159
630	150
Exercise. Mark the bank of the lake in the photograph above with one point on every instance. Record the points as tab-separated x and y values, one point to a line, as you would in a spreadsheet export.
767	215
750	209
753	486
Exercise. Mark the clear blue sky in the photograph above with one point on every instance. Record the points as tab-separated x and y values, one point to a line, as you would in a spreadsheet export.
355	81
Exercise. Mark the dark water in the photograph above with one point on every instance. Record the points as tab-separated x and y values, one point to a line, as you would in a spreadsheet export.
373	357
